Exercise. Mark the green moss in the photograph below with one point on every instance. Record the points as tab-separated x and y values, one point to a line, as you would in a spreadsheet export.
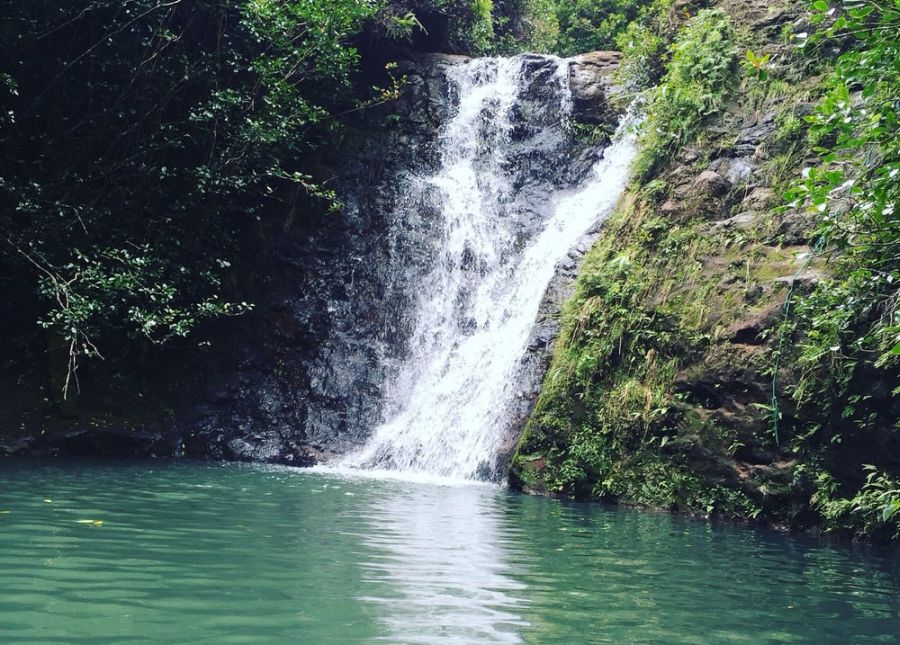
702	70
609	422
652	310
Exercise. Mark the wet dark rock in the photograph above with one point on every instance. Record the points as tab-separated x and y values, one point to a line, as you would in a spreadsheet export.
16	445
712	184
121	442
301	377
335	322
754	134
424	100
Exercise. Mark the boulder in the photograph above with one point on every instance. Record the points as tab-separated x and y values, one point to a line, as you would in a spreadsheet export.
736	170
760	198
708	194
711	184
806	279
669	208
589	80
796	228
741	221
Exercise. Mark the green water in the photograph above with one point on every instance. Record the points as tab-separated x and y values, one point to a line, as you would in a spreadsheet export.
195	553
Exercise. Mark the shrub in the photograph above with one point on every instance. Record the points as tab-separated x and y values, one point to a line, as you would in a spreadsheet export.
644	45
701	71
588	25
141	137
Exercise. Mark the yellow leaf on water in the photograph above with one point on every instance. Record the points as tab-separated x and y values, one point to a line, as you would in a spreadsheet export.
91	522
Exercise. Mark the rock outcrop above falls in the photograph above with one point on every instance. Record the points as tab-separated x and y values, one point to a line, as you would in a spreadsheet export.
590	78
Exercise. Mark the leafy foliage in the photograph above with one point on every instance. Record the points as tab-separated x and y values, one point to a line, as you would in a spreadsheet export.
529	25
469	24
873	509
141	136
846	331
757	64
644	44
588	25
701	71
856	187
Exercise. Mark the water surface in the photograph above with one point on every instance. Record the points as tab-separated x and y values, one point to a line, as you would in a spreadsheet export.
169	552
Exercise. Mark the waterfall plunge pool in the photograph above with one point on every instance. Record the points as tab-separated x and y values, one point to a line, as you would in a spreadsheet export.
180	552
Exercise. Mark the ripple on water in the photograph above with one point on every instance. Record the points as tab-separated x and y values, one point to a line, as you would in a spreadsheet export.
240	554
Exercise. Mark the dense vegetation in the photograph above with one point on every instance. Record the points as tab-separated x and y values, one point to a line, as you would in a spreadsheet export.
608	411
845	336
139	137
661	393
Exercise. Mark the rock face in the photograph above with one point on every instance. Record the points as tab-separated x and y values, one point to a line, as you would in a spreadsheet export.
305	380
590	79
335	322
693	273
591	89
301	377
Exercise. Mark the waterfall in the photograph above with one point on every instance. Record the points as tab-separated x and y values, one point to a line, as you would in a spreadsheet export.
505	218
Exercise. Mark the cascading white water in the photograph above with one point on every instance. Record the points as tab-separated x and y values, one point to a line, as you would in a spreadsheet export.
477	305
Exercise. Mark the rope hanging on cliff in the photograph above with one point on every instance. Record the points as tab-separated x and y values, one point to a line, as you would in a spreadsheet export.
776	409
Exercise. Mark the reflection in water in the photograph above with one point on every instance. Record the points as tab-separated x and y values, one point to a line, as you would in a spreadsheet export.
651	578
444	553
